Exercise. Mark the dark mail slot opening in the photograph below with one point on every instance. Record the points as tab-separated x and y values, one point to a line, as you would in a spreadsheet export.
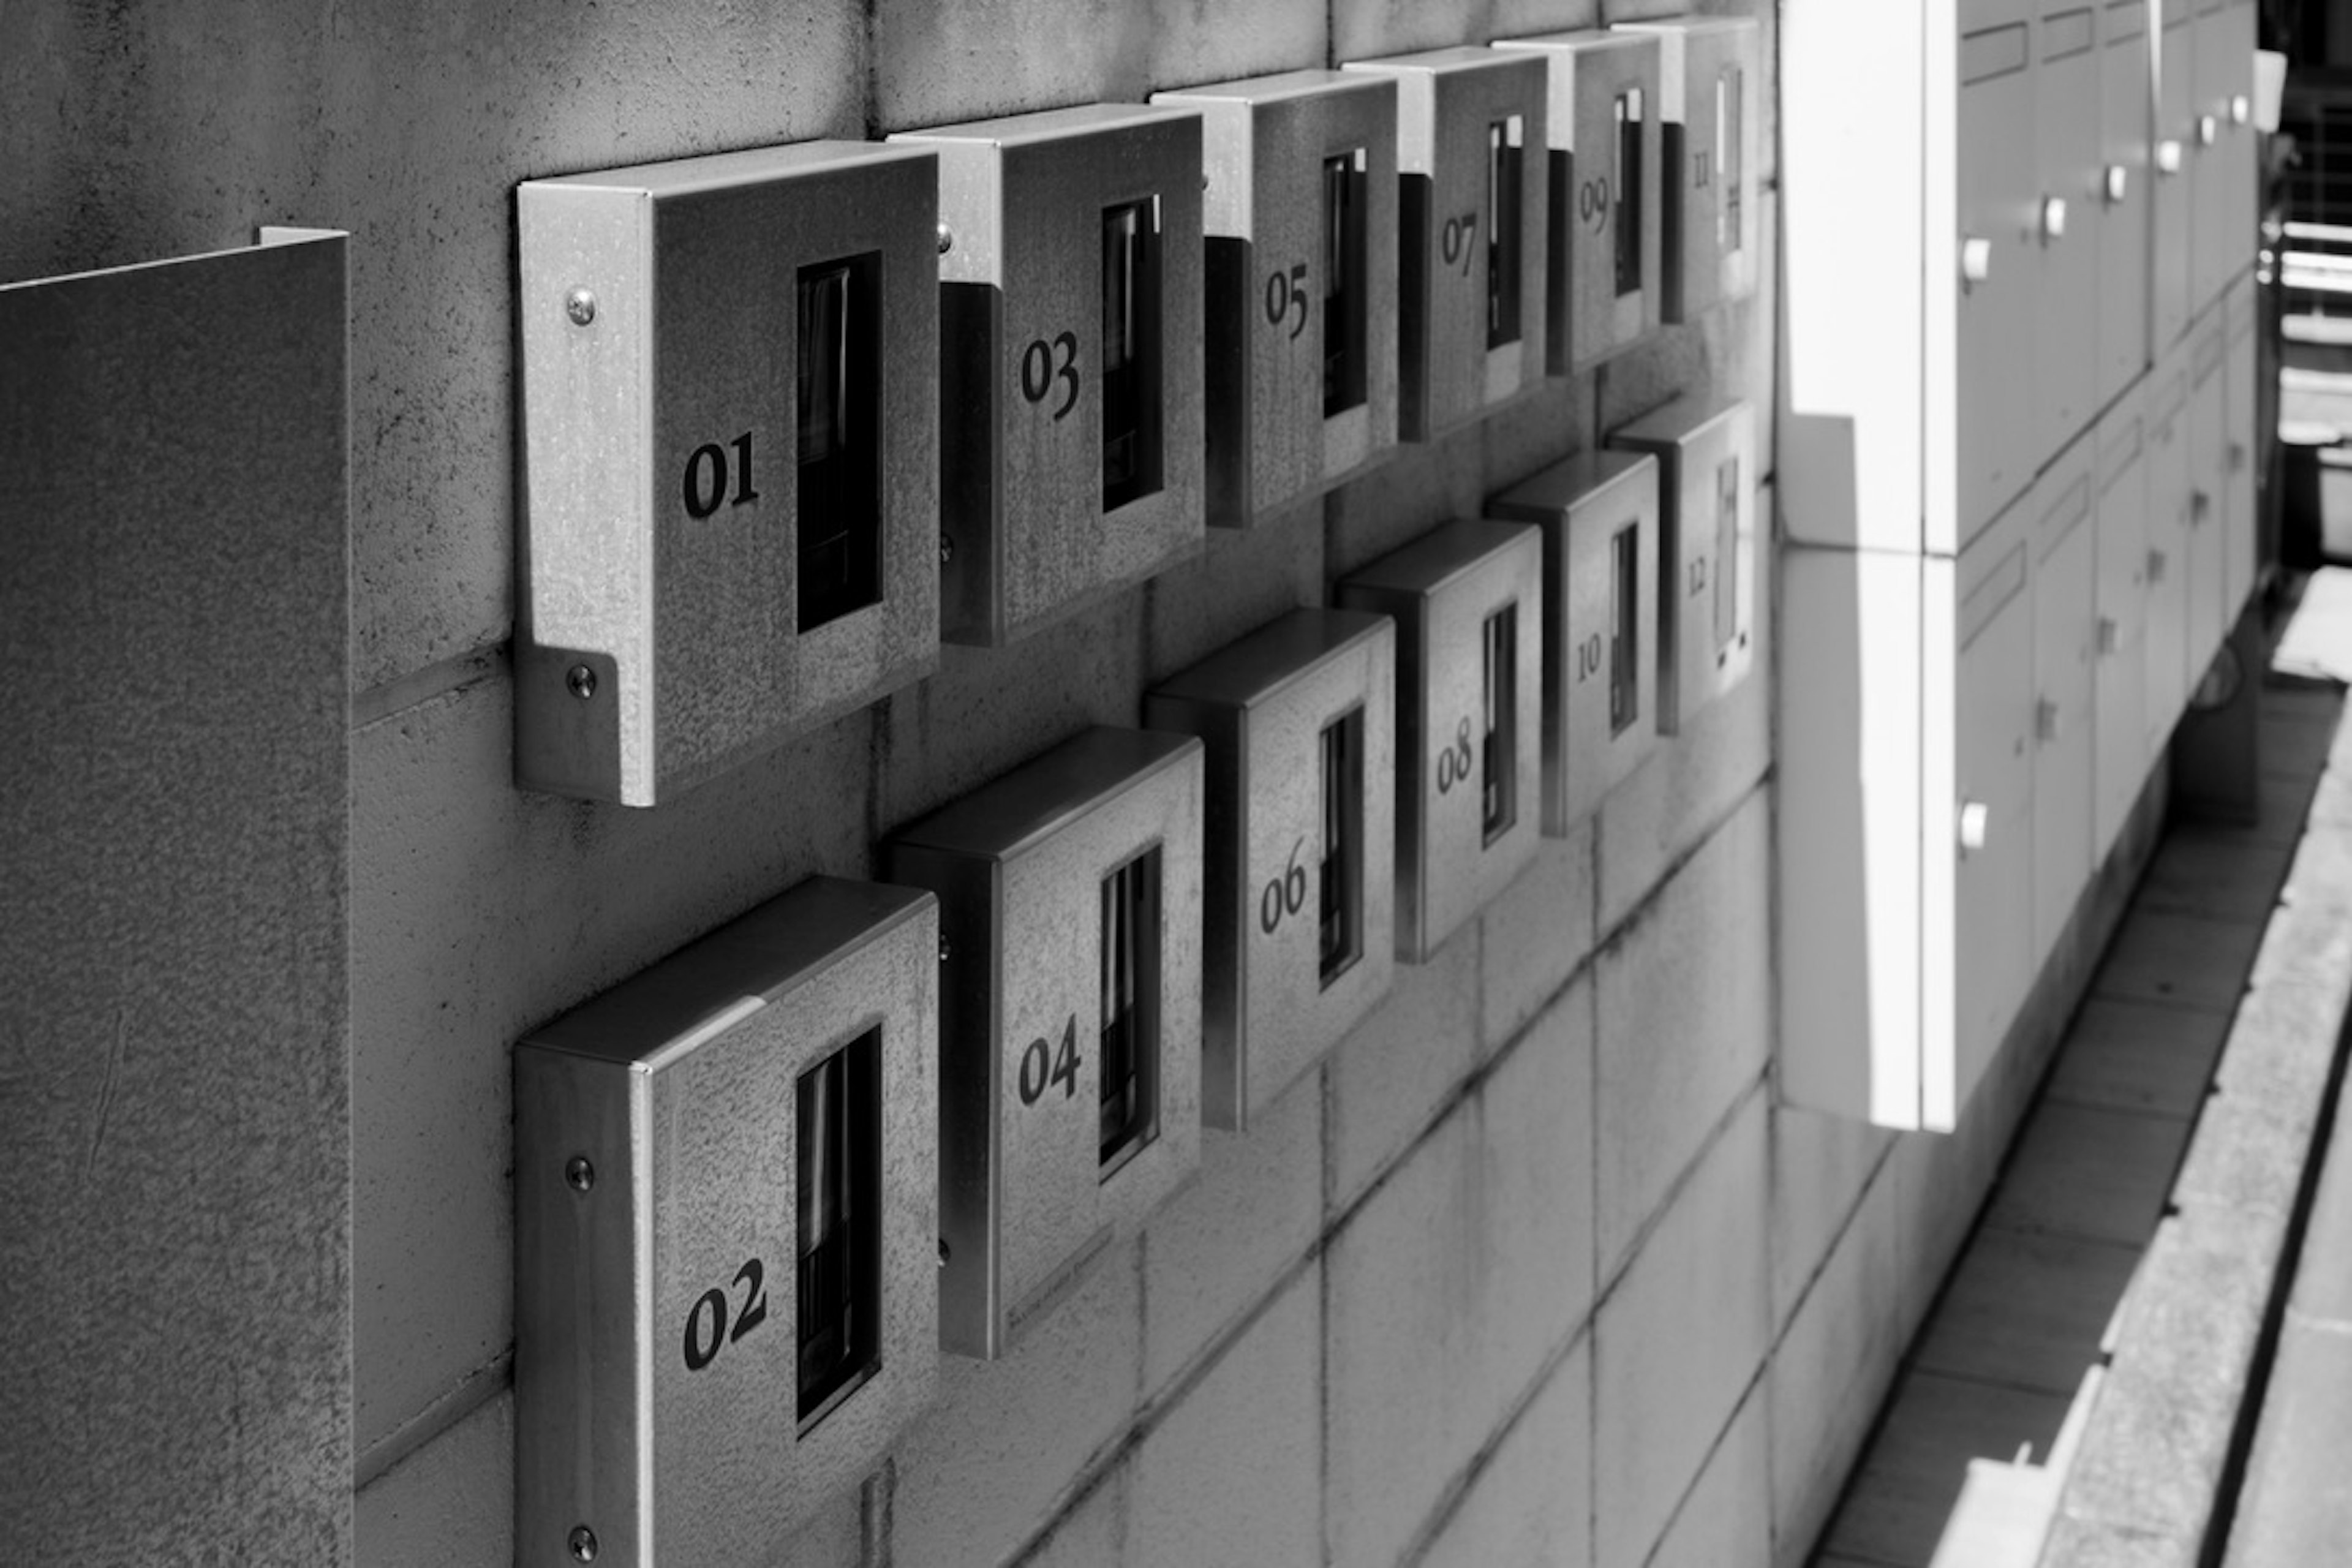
1132	357
838	1239
837	509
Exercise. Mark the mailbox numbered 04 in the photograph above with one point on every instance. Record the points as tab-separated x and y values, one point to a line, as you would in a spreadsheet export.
726	1233
1706	549
1599	514
1601	274
1711	89
1070	1017
1467	599
1471	214
732	462
1301	284
1069	359
1299	722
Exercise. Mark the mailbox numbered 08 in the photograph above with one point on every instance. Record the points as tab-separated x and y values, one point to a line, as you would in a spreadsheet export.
726	1233
1606	153
1599	514
732	463
1299	722
1706	549
1708	81
1301	350
1069	1019
1467	599
1069	359
1471	215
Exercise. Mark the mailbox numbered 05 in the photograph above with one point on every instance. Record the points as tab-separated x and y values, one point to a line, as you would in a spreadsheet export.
1070	1017
1301	349
1299	722
1706	549
726	1233
732	462
1711	91
1472	214
1467	599
1599	514
1069	359
1602	274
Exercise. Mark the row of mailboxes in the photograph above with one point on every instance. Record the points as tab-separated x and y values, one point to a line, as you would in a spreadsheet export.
762	1183
794	416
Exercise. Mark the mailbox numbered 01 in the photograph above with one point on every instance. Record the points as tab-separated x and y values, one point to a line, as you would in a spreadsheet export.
1299	722
1069	1018
1069	359
1301	349
1599	514
1471	215
726	1233
1710	87
732	463
1467	599
1707	548
1603	275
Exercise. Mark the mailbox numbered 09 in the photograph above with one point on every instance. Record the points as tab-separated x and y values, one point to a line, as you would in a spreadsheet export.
1301	350
1467	599
1706	549
1069	359
1710	87
726	1233
1070	1017
732	463
1471	215
1299	722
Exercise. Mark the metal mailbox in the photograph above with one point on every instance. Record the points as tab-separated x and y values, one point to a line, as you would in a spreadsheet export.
1706	549
1712	90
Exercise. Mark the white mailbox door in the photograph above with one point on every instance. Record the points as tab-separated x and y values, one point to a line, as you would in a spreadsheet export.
2167	559
1998	254
2175	157
2121	720
2067	224
2063	666
1992	818
2207	575
2126	196
2240	547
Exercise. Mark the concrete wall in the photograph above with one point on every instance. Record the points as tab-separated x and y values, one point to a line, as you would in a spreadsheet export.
1531	1269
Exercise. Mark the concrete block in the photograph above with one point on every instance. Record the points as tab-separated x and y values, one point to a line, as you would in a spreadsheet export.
2088	1172
1092	1534
1533	1501
1535	935
2280	1046
2296	1505
2310	940
1389	1076
1529	433
1686	1009
1537	1111
2026	1309
451	1503
2186	961
1396	501
1902	1497
1822	1165
1727	1516
1241	579
2136	1056
1686	786
2246	1156
1679	1340
2081	1545
1233	1472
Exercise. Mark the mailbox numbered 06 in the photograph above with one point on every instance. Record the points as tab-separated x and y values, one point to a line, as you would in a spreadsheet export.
1471	215
1467	599
1599	514
1069	359
732	463
726	1234
1301	350
1069	1017
1708	80
1299	722
1706	549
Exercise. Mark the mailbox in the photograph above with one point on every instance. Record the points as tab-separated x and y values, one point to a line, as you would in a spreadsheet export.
1467	601
1301	282
726	1233
1069	1017
731	456
1711	88
1706	549
1069	359
1298	718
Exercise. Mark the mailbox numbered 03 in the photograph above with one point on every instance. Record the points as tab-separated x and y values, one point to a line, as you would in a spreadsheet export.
1706	549
1301	350
1070	1017
732	462
1299	722
726	1234
1711	90
1471	215
1467	599
1069	359
1607	150
1599	514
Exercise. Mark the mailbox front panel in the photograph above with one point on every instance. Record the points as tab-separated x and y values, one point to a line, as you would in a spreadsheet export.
2121	723
1713	91
1706	549
2127	184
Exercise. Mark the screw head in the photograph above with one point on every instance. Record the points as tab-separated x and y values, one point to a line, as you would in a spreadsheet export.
579	305
582	1543
946	951
580	681
946	239
947	550
578	1173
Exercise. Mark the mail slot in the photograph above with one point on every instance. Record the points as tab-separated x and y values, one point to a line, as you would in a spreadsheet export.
1706	549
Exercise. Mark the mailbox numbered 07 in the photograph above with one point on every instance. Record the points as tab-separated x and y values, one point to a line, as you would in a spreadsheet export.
1467	599
726	1232
1069	359
1711	91
1706	549
1299	722
1070	899
731	458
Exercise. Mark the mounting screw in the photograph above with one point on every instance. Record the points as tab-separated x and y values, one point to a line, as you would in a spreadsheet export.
584	1543
947	550
945	950
581	306
946	239
578	1173
580	681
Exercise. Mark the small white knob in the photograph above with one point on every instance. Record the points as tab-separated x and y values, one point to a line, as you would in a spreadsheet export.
2111	634
2054	217
2168	157
2206	130
2118	183
1975	259
1976	820
2156	565
2239	109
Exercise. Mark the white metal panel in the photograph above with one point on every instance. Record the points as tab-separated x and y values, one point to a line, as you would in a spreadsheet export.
2207	570
2064	659
2174	155
2238	447
2118	632
2066	131
1994	771
2166	627
2126	196
1999	209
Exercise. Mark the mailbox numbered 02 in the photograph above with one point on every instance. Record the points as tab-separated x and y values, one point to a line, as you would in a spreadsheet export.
1301	350
1070	899
1709	83
1069	359
1706	549
1299	722
1472	212
1467	599
732	462
726	1234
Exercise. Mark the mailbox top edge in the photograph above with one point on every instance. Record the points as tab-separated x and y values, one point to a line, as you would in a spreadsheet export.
1248	670
1447	552
1577	41
721	171
1050	124
1677	424
1690	26
1439	62
1018	809
1282	87
1568	484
